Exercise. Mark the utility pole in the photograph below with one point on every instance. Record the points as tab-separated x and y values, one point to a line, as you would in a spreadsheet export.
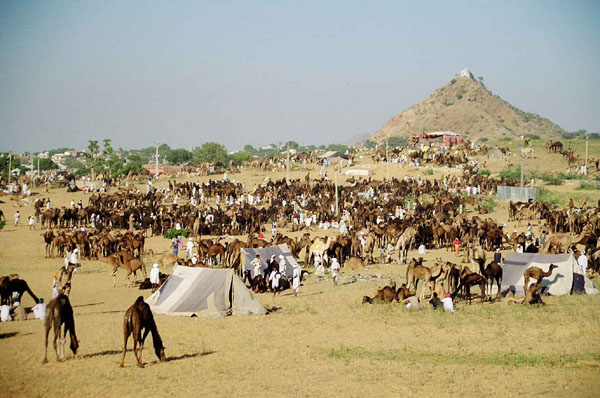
586	155
38	166
337	206
9	166
156	144
387	160
287	167
521	192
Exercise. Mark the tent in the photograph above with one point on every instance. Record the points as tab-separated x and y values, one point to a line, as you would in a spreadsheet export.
265	253
494	153
204	291
566	279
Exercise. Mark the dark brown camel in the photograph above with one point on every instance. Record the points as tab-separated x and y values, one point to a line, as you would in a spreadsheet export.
129	263
139	318
9	285
469	280
493	272
58	313
537	274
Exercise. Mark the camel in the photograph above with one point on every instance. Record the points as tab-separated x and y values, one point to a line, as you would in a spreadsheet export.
257	284
137	318
212	252
561	242
354	263
12	289
531	297
318	246
493	272
415	272
468	280
128	262
404	243
165	259
537	274
48	238
388	294
58	313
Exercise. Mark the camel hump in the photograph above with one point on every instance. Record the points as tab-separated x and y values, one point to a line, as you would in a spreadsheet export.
139	300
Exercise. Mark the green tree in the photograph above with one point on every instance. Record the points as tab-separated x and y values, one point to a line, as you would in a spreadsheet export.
15	163
45	164
370	144
179	156
210	152
397	141
249	148
291	144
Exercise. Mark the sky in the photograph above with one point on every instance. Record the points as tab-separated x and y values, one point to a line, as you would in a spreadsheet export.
262	72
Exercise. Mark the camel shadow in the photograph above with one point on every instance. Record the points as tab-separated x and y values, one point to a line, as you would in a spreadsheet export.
102	353
186	356
87	305
8	335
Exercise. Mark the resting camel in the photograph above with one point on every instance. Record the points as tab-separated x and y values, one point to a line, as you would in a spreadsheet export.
137	318
531	297
257	284
58	313
9	285
415	272
389	294
164	259
129	263
537	274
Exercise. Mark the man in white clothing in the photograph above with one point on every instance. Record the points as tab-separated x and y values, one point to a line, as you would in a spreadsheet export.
190	248
155	277
583	262
335	268
257	266
296	279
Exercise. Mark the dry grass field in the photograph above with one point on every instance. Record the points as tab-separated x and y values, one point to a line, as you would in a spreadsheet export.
322	343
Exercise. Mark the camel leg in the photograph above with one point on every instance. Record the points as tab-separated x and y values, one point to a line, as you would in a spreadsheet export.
47	327
135	350
56	336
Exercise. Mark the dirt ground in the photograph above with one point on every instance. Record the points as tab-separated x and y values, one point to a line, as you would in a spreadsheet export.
324	342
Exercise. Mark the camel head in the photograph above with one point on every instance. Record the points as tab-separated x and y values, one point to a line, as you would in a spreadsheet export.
552	266
160	353
74	346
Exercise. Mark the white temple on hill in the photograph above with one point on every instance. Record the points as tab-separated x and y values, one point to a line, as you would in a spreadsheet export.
465	73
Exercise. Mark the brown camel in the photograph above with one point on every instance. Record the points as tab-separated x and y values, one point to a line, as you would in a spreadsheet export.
537	274
531	297
58	313
561	242
468	280
139	318
415	272
129	263
493	272
164	259
354	263
404	243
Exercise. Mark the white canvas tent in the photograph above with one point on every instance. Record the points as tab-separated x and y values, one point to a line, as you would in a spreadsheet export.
206	292
265	253
566	279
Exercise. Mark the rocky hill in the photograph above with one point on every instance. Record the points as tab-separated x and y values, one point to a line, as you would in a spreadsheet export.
466	106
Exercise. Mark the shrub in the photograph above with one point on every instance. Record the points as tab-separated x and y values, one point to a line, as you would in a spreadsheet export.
428	172
484	172
550	197
510	173
174	233
459	96
452	81
532	136
484	139
587	186
489	203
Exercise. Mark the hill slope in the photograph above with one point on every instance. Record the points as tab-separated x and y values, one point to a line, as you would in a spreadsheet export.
466	106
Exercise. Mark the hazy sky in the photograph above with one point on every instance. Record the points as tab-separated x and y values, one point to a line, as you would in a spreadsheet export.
261	72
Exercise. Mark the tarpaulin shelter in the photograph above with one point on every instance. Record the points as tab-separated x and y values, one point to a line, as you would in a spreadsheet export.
265	253
204	292
568	278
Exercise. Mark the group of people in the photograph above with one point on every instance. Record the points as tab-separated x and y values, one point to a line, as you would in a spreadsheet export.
277	270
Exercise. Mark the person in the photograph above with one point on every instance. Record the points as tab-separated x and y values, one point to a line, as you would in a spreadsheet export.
72	203
529	231
74	260
498	256
179	243
412	303
17	218
257	266
39	310
5	313
31	222
54	286
194	260
335	268
583	262
519	248
174	246
296	279
190	248
155	276
422	249
274	278
435	301
281	264
543	238
48	204
447	303
456	246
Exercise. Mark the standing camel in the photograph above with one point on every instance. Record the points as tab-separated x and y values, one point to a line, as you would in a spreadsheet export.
129	263
404	243
139	318
58	313
415	272
537	274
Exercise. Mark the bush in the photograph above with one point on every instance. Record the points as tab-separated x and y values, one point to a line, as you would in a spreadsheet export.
428	172
547	196
510	173
174	233
489	203
484	172
587	186
484	139
458	96
532	136
568	136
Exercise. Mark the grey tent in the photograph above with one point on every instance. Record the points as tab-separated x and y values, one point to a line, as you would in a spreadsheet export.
494	153
566	279
203	291
265	253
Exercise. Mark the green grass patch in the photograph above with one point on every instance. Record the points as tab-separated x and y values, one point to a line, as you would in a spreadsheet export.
428	172
489	203
511	173
587	186
503	359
